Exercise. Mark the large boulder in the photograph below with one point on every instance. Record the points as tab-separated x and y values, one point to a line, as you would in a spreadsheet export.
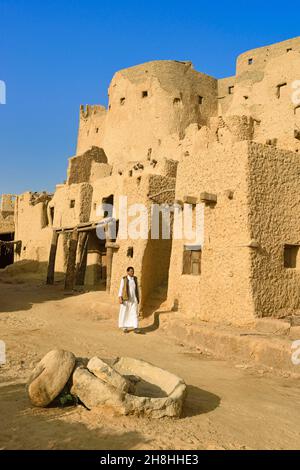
94	392
157	393
50	376
109	375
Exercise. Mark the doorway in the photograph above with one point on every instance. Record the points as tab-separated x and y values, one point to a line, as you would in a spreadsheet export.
6	251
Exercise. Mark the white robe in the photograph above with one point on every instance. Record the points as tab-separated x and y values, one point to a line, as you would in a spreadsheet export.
128	315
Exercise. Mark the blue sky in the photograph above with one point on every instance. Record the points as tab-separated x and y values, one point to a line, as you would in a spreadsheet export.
55	55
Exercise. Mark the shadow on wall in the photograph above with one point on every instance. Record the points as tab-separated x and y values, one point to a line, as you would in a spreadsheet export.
155	272
25	427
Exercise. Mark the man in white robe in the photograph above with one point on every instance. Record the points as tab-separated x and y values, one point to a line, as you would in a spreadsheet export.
129	300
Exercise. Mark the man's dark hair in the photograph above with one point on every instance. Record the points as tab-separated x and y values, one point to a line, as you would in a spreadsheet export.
129	268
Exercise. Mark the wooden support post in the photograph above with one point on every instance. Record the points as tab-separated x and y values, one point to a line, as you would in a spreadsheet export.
109	255
70	272
83	240
52	256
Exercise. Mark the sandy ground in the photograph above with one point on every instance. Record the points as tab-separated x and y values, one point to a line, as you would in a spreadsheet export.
228	406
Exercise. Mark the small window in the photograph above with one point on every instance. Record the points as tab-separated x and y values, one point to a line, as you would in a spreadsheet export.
250	61
279	89
289	49
291	256
246	97
200	99
230	90
144	94
122	101
130	252
191	260
51	215
97	130
297	134
176	101
72	203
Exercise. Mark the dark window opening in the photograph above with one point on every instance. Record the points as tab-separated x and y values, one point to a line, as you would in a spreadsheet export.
200	99
176	101
191	261
107	205
51	215
230	90
6	250
250	61
289	49
122	101
72	203
297	134
130	251
291	256
278	89
246	97
144	94
97	130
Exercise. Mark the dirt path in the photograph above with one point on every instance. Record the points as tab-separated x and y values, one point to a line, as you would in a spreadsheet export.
227	406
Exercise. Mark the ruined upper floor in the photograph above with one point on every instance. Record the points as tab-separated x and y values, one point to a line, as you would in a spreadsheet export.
151	102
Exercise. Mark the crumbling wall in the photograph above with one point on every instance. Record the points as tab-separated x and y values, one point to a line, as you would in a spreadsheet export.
149	102
79	169
265	90
221	292
274	214
7	205
32	226
91	127
71	204
255	60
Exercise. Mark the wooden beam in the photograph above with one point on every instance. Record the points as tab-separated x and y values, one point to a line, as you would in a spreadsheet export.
113	245
52	256
86	229
70	273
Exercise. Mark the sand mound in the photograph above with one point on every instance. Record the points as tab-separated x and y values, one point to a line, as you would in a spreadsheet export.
23	270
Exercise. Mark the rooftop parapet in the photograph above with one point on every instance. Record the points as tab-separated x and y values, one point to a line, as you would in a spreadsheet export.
255	60
7	203
88	110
